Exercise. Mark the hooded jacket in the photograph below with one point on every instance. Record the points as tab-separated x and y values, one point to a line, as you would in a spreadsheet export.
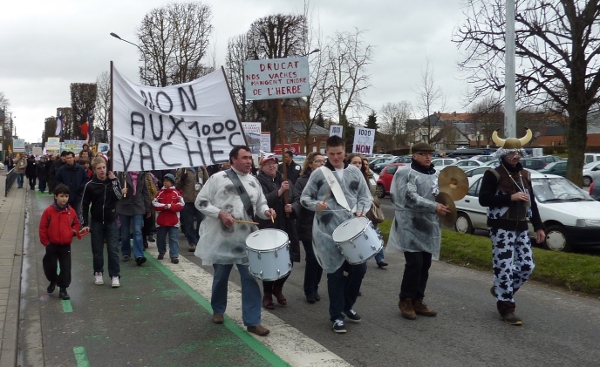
103	196
168	217
58	225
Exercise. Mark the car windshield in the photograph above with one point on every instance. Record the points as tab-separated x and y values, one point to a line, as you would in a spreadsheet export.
557	189
590	165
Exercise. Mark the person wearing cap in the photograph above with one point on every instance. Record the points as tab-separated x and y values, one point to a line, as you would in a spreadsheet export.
283	197
507	193
416	230
168	203
293	168
223	233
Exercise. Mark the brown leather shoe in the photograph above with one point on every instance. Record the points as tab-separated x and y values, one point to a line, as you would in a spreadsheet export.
258	330
406	309
267	301
421	308
217	318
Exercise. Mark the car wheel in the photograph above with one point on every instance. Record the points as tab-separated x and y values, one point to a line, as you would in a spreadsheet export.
556	239
379	191
587	181
463	223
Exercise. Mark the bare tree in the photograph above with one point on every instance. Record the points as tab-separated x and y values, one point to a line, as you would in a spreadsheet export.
4	102
237	53
558	51
83	101
173	40
431	98
102	110
394	117
348	58
486	116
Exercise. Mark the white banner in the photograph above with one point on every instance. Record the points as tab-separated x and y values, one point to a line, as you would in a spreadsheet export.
53	144
276	78
252	131
19	146
265	142
185	125
363	141
336	130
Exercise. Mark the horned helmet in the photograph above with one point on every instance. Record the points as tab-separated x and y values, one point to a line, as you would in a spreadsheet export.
509	145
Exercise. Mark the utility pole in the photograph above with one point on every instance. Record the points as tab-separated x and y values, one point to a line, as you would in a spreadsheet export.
510	115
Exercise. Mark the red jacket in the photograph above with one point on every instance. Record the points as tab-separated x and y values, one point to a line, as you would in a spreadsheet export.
58	225
168	217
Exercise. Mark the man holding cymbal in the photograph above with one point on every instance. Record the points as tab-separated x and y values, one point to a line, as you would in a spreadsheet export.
416	230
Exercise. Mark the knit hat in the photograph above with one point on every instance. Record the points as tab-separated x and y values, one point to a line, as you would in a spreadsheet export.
169	176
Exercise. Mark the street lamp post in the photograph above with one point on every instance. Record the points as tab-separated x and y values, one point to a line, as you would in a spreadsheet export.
142	51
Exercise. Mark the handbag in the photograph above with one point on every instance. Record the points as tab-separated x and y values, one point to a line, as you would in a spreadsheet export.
375	214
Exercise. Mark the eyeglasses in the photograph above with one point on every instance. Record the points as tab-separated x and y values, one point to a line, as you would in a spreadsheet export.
425	154
270	163
319	161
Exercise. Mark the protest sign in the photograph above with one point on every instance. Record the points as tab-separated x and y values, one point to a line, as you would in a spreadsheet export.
252	131
53	144
265	142
336	130
363	141
19	146
185	125
276	78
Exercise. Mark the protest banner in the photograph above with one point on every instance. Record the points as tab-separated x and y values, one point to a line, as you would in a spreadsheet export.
53	144
19	146
363	141
185	125
294	148
336	130
74	146
265	142
276	78
252	131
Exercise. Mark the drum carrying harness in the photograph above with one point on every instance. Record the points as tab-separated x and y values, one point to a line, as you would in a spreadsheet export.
242	191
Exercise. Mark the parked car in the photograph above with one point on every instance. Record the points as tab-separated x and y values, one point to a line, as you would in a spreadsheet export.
533	163
571	217
378	161
549	158
591	172
595	189
440	163
384	182
555	168
476	171
484	158
591	157
467	164
400	159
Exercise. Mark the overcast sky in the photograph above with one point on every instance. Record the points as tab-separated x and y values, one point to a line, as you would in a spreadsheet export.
47	45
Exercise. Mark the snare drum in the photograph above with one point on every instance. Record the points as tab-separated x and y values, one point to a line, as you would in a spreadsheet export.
357	240
269	254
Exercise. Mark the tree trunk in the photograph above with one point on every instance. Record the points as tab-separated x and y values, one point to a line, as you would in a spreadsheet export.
576	140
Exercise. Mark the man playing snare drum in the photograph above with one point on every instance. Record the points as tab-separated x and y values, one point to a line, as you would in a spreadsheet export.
222	239
337	192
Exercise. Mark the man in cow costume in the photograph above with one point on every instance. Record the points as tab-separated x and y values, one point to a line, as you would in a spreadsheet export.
507	192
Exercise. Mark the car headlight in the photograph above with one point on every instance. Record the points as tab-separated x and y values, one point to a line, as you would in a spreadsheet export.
587	223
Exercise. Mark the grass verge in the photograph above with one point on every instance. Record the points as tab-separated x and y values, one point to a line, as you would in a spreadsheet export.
575	272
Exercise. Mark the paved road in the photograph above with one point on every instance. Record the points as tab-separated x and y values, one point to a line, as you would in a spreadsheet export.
159	317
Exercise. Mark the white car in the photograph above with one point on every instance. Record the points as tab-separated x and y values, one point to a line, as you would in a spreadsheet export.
591	171
571	216
467	164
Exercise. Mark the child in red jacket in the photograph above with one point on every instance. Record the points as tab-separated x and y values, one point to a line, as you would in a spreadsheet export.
58	225
168	203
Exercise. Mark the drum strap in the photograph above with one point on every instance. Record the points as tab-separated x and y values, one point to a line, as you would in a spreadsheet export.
242	191
336	189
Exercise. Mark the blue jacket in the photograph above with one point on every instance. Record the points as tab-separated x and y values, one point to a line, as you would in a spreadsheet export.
75	177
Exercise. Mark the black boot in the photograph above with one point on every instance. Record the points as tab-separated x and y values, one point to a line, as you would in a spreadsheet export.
51	287
63	294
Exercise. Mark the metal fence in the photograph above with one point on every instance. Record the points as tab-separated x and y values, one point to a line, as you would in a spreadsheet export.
11	176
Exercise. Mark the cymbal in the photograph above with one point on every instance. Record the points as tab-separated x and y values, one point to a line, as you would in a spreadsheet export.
449	219
454	182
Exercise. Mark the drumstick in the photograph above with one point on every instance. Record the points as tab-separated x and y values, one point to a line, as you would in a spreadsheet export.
245	221
124	186
272	219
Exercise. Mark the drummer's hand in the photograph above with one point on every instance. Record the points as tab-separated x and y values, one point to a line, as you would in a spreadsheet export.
226	219
270	213
285	185
124	191
321	206
358	214
442	209
288	208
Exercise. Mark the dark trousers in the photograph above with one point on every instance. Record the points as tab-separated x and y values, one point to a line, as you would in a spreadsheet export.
108	232
269	285
32	181
343	290
58	254
42	185
190	220
149	225
313	271
416	273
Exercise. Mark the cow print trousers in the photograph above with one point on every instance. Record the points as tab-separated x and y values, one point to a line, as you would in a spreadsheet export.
513	261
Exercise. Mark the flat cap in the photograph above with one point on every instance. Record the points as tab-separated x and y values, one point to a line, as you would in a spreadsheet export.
422	147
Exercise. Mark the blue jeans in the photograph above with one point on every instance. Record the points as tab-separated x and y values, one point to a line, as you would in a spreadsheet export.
343	290
108	232
161	240
20	179
251	295
189	216
138	242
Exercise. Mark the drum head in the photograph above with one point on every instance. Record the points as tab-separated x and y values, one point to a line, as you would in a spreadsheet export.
350	229
266	239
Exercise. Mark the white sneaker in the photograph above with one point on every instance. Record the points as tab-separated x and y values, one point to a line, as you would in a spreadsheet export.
98	278
115	282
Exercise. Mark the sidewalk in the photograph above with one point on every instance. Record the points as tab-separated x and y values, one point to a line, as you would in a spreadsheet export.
12	224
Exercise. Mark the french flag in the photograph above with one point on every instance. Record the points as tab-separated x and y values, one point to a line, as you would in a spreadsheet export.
59	125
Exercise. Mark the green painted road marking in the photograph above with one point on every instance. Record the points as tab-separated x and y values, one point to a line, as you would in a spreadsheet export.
258	347
67	306
81	357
